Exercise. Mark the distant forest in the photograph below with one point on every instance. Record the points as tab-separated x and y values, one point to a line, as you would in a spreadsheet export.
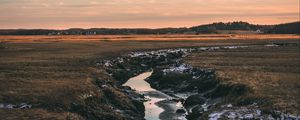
287	28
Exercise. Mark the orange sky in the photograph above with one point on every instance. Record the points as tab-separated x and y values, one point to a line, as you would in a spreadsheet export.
62	14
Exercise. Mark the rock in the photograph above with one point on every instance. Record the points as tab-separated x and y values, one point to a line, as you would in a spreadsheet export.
139	105
194	100
229	105
125	87
248	116
231	115
180	111
198	110
24	106
223	90
178	99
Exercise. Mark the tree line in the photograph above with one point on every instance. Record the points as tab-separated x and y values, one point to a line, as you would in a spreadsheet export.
287	28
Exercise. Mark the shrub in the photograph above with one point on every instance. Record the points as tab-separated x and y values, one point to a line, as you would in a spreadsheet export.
2	45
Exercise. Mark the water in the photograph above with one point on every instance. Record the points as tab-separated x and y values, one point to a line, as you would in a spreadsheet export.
160	105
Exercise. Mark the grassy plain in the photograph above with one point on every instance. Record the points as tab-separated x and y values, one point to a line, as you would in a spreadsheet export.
52	72
272	72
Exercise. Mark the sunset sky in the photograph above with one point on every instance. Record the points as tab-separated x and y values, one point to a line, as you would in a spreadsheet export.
62	14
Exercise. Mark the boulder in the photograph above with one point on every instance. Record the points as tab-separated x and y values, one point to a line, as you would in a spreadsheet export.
180	111
194	100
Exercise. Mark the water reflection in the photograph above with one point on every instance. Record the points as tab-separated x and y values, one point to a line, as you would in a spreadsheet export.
139	84
155	108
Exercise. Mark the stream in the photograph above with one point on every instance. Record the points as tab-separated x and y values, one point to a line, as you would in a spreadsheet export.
158	105
174	82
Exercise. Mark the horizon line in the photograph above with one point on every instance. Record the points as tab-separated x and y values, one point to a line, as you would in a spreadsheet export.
136	27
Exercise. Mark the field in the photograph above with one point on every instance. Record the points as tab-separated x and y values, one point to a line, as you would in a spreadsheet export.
272	72
54	72
172	37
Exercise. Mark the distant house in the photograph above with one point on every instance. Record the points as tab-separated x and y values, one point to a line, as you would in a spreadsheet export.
90	33
258	31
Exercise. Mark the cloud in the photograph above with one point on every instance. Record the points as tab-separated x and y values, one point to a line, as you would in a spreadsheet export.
39	13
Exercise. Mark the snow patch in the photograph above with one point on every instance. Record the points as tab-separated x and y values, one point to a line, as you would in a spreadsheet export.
15	106
248	113
271	45
180	69
107	64
216	115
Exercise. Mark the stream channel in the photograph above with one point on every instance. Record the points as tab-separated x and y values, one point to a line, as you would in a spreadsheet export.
158	105
198	90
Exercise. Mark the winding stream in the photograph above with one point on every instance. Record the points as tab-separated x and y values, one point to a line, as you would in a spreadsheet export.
158	105
161	106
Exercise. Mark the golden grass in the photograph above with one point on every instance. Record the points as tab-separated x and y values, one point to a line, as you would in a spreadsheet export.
51	72
176	37
37	114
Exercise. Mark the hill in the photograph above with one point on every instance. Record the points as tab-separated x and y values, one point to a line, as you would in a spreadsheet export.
219	27
287	28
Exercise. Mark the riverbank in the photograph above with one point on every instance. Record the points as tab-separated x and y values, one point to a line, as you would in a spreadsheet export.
173	77
272	72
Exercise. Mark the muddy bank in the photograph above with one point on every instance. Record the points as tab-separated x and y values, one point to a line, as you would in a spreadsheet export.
122	68
111	103
115	105
203	95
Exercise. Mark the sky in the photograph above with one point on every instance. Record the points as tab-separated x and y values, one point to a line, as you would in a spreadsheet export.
63	14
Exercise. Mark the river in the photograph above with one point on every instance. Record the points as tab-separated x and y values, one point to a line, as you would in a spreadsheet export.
159	106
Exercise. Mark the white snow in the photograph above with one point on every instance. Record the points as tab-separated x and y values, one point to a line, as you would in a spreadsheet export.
234	47
247	112
15	106
216	115
205	106
85	96
120	60
136	54
258	112
232	115
24	106
248	116
229	105
195	77
107	64
214	48
271	45
179	69
185	95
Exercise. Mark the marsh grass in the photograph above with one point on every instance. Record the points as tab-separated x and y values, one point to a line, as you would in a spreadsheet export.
273	73
54	72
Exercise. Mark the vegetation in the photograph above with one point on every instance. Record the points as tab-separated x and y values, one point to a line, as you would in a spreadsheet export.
213	28
2	45
289	28
59	76
272	73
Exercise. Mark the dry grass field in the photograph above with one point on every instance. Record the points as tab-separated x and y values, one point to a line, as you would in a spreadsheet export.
52	72
172	37
272	72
